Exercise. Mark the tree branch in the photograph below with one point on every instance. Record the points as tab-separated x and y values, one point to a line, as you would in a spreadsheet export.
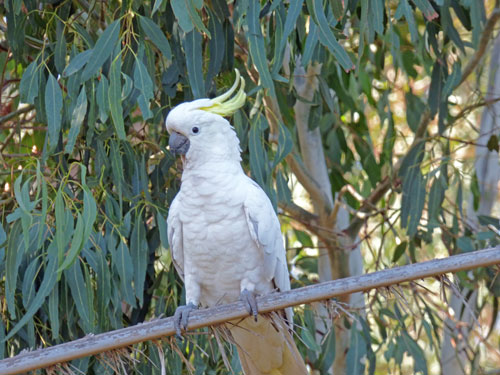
298	213
15	113
93	344
384	186
483	43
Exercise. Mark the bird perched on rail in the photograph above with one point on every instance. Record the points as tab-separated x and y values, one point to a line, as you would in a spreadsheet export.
224	235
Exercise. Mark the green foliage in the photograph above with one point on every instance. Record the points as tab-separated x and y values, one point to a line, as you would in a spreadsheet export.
86	180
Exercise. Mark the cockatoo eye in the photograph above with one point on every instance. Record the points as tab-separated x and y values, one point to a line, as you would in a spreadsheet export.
195	130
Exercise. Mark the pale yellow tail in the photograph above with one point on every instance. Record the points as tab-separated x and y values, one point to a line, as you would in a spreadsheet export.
266	347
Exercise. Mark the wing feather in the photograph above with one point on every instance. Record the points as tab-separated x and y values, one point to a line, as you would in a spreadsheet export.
174	226
265	230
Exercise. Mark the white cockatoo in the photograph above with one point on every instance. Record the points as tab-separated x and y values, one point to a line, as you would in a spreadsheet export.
224	235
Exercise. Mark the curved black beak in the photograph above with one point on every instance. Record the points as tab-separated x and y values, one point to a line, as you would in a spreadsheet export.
178	144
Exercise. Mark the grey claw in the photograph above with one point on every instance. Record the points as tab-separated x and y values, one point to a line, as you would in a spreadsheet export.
181	317
250	302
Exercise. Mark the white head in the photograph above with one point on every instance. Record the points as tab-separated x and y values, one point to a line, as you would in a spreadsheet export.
199	131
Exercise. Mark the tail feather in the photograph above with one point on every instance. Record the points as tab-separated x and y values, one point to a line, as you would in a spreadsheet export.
266	347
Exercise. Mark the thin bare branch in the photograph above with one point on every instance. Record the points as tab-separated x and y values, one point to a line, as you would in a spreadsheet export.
15	113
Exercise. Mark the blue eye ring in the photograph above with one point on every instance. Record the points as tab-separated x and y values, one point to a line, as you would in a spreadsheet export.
195	130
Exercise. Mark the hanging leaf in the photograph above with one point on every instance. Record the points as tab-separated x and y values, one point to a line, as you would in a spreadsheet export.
377	10
327	38
356	355
53	106
216	46
156	6
139	253
257	152
75	279
427	9
77	63
182	14
102	50
115	97
123	263
257	46
76	120
29	85
60	52
291	19
102	98
143	82
404	9
48	282
194	61
156	35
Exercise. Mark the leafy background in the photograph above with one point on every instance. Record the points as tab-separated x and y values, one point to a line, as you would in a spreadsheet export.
361	124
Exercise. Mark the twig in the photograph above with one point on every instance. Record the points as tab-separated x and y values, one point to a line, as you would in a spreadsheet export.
298	213
93	344
17	112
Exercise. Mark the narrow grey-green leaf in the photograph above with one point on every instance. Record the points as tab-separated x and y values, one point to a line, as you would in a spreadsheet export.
76	245
76	120
311	42
257	153
356	355
194	62
427	9
102	98
327	38
60	52
53	305
125	268
156	35
216	46
115	97
76	282
162	228
28	287
28	87
156	6
291	20
452	80
102	50
257	46
139	254
53	106
405	9
284	193
328	350
48	282
89	213
409	345
14	255
377	12
143	82
182	14
3	235
77	63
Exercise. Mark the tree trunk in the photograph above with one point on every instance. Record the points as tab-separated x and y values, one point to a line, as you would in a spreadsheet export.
336	259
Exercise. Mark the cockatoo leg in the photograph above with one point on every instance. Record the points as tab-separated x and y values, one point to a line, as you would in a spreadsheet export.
181	317
249	298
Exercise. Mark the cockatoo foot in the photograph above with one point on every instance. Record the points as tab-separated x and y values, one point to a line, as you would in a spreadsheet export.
181	317
249	298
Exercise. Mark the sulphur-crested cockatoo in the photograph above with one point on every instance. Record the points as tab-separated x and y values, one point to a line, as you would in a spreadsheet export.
224	235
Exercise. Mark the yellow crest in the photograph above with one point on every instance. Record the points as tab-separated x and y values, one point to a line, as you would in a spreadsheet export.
224	107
